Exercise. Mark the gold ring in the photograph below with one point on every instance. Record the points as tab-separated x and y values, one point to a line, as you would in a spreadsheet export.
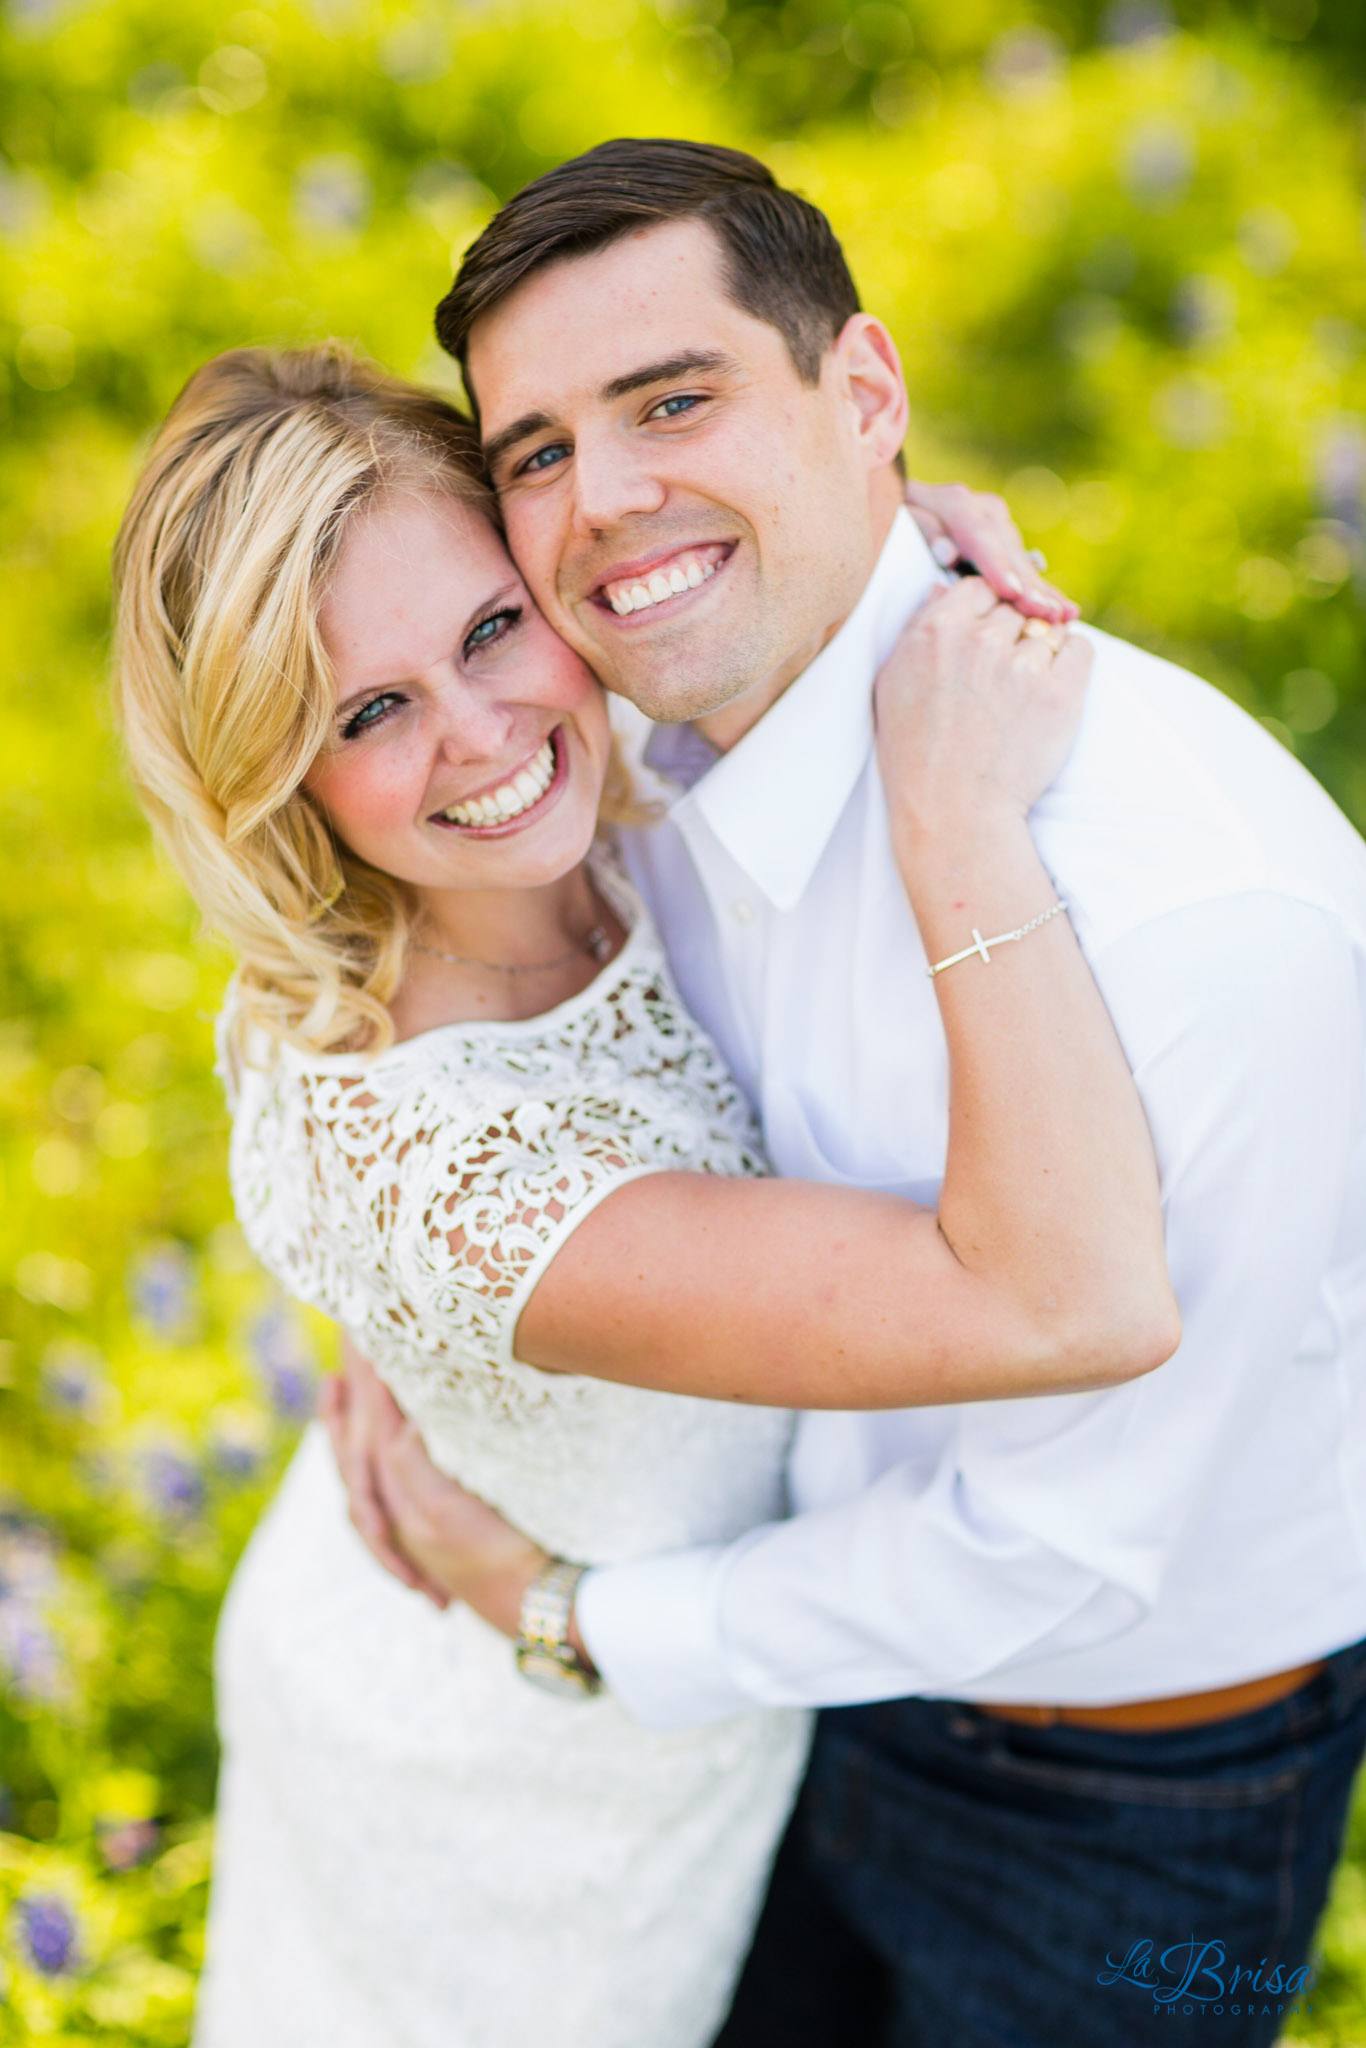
1039	629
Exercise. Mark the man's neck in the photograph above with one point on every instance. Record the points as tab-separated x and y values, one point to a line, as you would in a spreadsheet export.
724	729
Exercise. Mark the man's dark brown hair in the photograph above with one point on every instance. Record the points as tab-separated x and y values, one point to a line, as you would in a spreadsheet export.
781	261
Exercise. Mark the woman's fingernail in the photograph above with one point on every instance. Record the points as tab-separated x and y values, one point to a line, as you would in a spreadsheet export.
944	551
1013	583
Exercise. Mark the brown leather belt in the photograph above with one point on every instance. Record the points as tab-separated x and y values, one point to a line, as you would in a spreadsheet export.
1184	1710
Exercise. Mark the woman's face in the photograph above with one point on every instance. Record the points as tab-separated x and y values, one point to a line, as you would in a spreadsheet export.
469	744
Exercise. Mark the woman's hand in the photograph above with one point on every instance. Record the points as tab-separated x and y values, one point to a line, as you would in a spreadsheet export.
977	709
976	527
460	1544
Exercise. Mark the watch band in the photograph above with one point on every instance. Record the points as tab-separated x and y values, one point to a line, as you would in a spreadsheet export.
545	1656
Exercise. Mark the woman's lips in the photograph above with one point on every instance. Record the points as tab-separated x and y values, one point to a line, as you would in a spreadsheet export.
516	802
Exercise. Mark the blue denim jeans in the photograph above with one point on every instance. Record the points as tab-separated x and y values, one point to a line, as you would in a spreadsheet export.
949	1878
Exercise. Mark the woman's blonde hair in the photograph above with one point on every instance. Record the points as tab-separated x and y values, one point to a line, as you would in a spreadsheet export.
222	681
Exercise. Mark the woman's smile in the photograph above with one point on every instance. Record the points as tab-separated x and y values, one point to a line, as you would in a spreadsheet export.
476	756
517	801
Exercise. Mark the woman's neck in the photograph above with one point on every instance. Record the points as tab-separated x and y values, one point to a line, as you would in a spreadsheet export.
465	941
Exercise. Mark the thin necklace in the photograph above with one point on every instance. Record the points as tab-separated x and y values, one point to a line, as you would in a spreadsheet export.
598	943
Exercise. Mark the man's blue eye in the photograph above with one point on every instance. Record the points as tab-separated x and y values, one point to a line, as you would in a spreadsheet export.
671	407
544	457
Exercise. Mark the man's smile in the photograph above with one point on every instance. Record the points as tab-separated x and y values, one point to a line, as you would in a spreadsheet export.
660	579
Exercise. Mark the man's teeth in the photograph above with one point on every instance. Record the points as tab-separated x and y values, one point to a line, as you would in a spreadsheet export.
684	574
510	799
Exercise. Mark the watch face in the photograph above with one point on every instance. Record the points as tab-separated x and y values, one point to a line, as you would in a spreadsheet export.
552	1674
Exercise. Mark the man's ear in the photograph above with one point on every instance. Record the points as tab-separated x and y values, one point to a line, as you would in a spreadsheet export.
869	372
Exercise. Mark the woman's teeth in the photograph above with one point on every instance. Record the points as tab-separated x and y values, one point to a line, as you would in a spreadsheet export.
684	574
510	799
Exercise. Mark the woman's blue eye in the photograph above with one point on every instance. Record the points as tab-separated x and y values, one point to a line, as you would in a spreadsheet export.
492	628
370	714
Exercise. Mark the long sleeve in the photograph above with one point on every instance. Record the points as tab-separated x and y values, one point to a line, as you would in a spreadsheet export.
1053	1525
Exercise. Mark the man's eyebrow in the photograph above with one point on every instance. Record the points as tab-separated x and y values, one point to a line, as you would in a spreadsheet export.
529	423
688	362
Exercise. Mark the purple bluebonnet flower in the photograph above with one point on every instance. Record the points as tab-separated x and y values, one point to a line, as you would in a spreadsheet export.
30	1655
1158	160
47	1933
72	1379
161	1286
171	1481
285	1363
28	1557
1127	22
332	194
126	1843
238	1439
1342	483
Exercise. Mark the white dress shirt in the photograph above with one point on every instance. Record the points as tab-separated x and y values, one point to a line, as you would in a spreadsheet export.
1203	1525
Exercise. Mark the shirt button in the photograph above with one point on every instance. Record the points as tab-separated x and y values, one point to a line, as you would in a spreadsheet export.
742	912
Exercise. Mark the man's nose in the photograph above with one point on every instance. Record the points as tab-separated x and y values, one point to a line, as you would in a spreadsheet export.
613	482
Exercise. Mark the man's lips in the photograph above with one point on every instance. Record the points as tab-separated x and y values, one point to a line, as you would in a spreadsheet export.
515	798
658	580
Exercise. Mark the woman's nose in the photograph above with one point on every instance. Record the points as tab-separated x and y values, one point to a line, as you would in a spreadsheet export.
472	724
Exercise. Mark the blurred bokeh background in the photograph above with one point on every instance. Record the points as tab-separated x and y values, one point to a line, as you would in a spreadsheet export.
1122	249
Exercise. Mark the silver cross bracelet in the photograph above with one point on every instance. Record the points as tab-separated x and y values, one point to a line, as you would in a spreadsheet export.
980	945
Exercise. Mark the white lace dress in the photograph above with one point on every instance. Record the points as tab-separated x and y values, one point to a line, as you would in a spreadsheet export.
416	1849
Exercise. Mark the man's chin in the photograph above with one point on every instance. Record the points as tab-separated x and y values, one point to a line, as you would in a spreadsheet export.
671	698
673	676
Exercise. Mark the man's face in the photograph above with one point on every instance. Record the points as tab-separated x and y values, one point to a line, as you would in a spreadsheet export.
692	517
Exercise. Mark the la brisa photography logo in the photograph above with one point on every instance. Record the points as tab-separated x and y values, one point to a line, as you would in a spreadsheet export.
1196	1976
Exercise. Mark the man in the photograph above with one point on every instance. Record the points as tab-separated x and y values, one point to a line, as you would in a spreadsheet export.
1092	1666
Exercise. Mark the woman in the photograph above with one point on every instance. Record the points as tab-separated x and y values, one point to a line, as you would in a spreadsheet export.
474	1124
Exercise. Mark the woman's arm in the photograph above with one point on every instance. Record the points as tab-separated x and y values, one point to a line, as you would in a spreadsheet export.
1043	1270
975	528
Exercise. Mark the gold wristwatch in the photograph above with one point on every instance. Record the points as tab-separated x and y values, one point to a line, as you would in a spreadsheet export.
545	1655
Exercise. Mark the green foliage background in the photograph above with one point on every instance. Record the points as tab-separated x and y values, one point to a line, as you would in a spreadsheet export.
1121	249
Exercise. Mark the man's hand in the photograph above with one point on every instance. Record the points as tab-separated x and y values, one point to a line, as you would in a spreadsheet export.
361	1416
423	1526
975	526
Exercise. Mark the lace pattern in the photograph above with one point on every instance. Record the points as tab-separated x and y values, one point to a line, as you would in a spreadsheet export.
416	1849
418	1196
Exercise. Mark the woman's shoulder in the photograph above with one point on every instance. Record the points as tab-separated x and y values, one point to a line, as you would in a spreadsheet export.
454	1077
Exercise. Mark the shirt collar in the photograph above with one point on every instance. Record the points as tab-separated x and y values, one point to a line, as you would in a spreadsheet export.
679	754
774	800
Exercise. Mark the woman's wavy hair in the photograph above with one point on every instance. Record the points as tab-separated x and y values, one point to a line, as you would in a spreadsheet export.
223	685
